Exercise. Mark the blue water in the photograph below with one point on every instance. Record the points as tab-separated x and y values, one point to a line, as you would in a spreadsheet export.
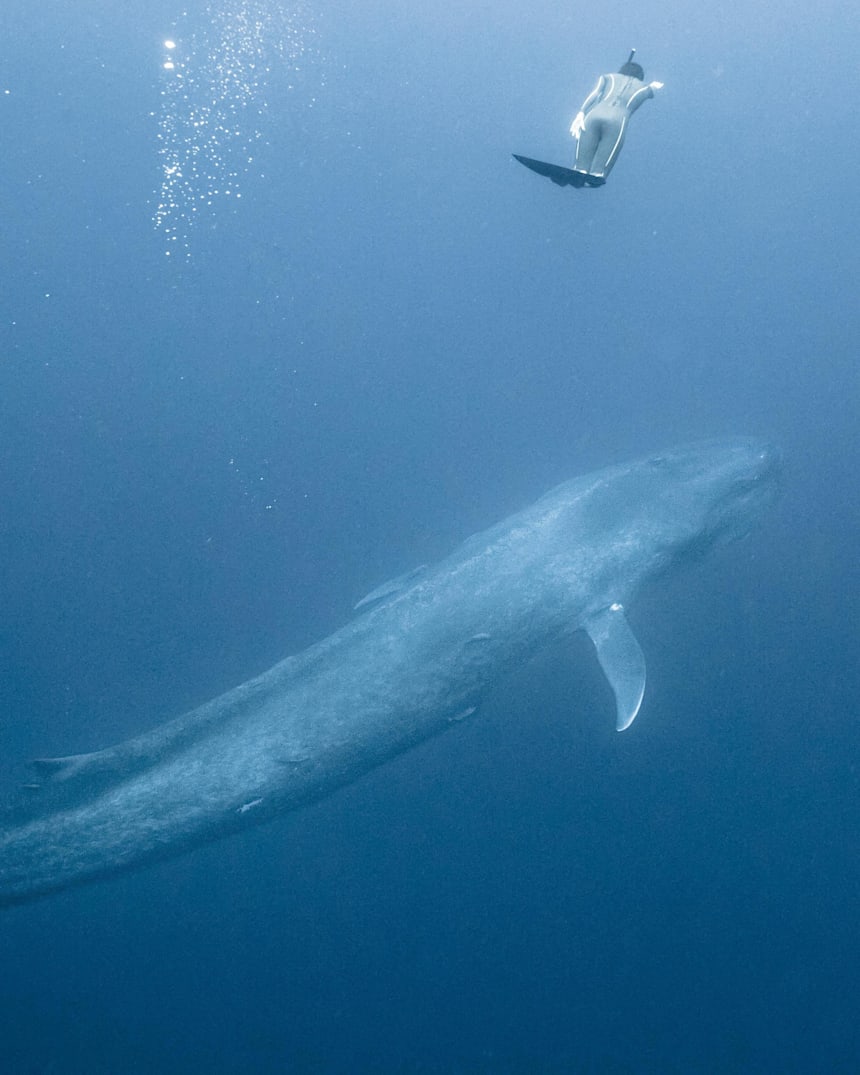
395	336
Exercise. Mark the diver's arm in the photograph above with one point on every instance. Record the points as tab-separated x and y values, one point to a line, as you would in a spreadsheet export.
578	125
642	95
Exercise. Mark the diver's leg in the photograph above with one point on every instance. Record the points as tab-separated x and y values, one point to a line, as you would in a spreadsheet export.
586	145
606	153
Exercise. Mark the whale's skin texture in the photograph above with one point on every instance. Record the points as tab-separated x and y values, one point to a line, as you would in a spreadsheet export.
417	658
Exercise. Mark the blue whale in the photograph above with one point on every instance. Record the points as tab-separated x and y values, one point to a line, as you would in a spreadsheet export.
417	658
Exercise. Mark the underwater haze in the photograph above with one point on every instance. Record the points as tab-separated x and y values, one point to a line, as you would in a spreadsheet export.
281	318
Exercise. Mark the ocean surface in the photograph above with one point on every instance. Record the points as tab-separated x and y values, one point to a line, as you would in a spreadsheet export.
281	318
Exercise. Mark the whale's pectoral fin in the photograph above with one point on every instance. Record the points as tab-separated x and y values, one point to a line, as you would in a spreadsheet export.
621	659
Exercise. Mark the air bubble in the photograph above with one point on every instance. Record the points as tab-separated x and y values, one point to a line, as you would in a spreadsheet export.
215	99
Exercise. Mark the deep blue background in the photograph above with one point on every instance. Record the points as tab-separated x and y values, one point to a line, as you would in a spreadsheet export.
395	338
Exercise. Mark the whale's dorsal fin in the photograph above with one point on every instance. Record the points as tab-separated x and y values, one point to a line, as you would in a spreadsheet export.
391	588
59	782
621	659
60	769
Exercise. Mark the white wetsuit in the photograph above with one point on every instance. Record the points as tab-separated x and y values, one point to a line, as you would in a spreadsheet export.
607	110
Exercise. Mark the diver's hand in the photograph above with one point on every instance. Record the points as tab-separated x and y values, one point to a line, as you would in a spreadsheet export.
656	85
578	125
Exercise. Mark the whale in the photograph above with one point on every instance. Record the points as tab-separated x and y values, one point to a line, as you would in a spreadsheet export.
419	655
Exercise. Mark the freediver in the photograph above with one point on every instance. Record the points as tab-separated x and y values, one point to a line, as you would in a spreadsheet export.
601	124
600	127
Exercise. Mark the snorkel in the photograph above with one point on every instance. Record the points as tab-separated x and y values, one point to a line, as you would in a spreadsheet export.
631	69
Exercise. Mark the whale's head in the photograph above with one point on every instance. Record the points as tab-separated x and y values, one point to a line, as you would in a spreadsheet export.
643	516
606	532
684	501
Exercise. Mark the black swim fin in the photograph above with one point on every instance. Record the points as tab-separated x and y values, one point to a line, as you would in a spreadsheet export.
562	177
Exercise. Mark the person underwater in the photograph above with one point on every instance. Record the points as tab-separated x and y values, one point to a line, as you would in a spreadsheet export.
600	127
601	124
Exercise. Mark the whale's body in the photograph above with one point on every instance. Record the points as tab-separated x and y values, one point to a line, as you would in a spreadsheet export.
418	657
